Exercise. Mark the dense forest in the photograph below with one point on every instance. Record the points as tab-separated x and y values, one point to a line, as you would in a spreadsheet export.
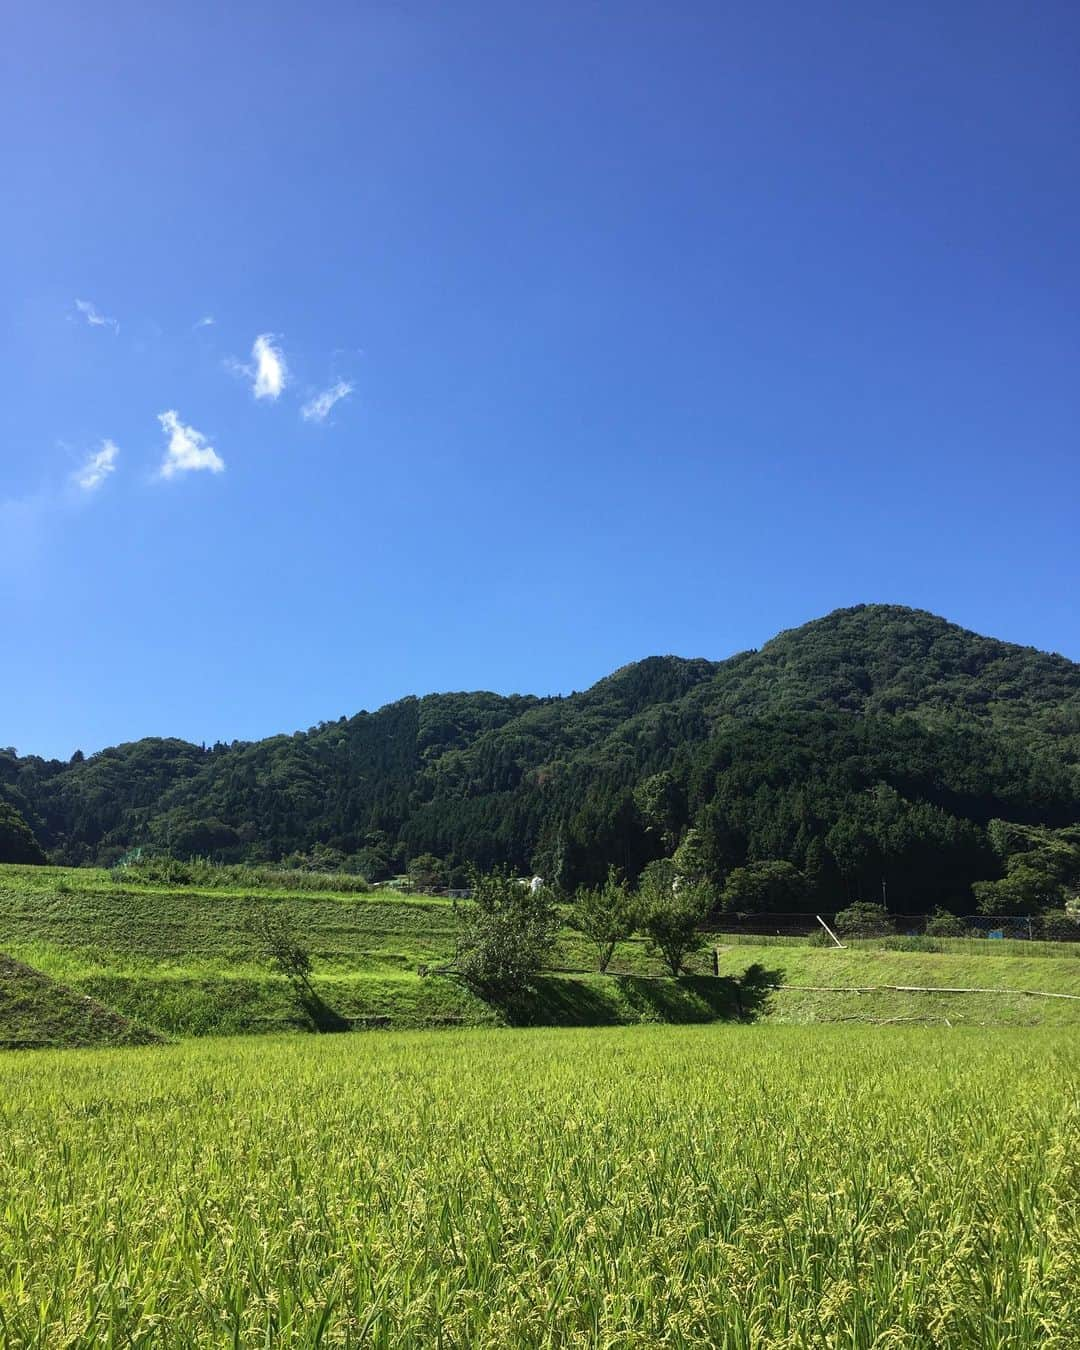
877	745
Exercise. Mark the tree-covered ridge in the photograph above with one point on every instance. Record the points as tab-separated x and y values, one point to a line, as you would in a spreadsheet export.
876	743
893	660
17	843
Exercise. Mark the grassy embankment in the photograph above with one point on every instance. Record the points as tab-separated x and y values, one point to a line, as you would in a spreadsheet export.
726	1186
185	961
826	985
38	1012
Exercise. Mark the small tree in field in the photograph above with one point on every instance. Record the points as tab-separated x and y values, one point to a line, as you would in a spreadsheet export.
605	915
283	950
672	911
507	932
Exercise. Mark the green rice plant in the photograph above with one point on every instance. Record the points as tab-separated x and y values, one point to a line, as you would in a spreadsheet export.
728	1186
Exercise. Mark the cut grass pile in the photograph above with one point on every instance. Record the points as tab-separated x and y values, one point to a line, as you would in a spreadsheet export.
725	1186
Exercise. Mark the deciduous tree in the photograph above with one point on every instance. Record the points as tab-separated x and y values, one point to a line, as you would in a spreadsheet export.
672	912
507	932
606	915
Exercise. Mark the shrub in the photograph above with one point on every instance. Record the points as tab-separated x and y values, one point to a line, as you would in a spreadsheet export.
912	943
1057	925
943	924
1024	890
166	871
427	873
507	932
864	919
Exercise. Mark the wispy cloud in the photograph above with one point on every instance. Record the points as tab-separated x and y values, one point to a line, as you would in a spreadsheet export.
271	372
187	450
97	467
207	321
318	408
94	317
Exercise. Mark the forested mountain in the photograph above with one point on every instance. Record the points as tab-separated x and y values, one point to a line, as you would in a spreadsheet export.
878	742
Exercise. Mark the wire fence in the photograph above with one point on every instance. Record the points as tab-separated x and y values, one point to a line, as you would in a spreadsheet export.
993	927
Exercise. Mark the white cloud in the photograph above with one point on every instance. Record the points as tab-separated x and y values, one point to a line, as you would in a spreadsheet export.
94	317
187	449
207	321
98	467
317	409
271	372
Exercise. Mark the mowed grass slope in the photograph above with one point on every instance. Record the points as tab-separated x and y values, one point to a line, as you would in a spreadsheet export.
37	1011
821	984
186	961
725	1186
125	925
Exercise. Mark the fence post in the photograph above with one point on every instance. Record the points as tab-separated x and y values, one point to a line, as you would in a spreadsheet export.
829	931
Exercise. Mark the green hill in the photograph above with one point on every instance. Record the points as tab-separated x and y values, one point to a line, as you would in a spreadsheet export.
878	741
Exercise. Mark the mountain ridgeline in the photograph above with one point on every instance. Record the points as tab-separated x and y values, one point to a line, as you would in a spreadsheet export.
877	743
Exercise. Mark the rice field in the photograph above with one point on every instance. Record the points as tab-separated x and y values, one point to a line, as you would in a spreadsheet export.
651	1186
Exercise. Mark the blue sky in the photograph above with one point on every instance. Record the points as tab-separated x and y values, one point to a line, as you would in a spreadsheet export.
658	328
